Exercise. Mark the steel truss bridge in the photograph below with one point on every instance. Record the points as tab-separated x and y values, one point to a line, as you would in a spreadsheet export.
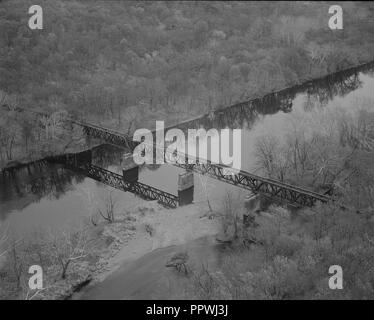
117	181
269	187
108	135
140	189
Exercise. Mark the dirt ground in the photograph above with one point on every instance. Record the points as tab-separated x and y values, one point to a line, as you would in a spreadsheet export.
153	227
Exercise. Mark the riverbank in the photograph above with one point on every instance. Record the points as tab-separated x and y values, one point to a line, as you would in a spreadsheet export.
156	227
134	233
54	148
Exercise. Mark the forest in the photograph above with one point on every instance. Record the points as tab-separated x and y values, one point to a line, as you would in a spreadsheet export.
126	64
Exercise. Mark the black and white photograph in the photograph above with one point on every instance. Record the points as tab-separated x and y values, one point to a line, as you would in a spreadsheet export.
191	151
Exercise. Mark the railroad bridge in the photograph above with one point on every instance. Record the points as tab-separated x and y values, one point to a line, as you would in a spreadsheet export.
272	188
269	187
81	163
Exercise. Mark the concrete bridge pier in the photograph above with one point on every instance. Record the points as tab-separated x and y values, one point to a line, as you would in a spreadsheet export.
130	170
185	187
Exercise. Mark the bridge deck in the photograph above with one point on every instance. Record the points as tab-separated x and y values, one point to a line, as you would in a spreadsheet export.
271	187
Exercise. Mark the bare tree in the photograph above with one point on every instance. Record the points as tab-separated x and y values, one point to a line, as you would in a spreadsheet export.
110	203
204	184
9	132
270	157
205	285
53	124
231	213
316	149
17	262
91	204
131	114
316	54
358	132
69	246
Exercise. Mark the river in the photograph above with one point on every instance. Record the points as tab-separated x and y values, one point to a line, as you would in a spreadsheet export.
148	278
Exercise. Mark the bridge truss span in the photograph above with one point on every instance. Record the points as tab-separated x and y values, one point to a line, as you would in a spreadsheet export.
117	181
268	187
110	136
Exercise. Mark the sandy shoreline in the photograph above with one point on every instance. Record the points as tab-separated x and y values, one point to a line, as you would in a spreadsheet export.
169	227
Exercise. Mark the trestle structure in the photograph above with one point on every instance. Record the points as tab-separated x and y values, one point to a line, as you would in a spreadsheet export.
269	187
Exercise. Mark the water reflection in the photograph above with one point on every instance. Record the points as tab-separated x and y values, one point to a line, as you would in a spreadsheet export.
244	115
34	181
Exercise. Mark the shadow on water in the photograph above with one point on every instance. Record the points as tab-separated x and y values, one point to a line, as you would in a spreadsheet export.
148	278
